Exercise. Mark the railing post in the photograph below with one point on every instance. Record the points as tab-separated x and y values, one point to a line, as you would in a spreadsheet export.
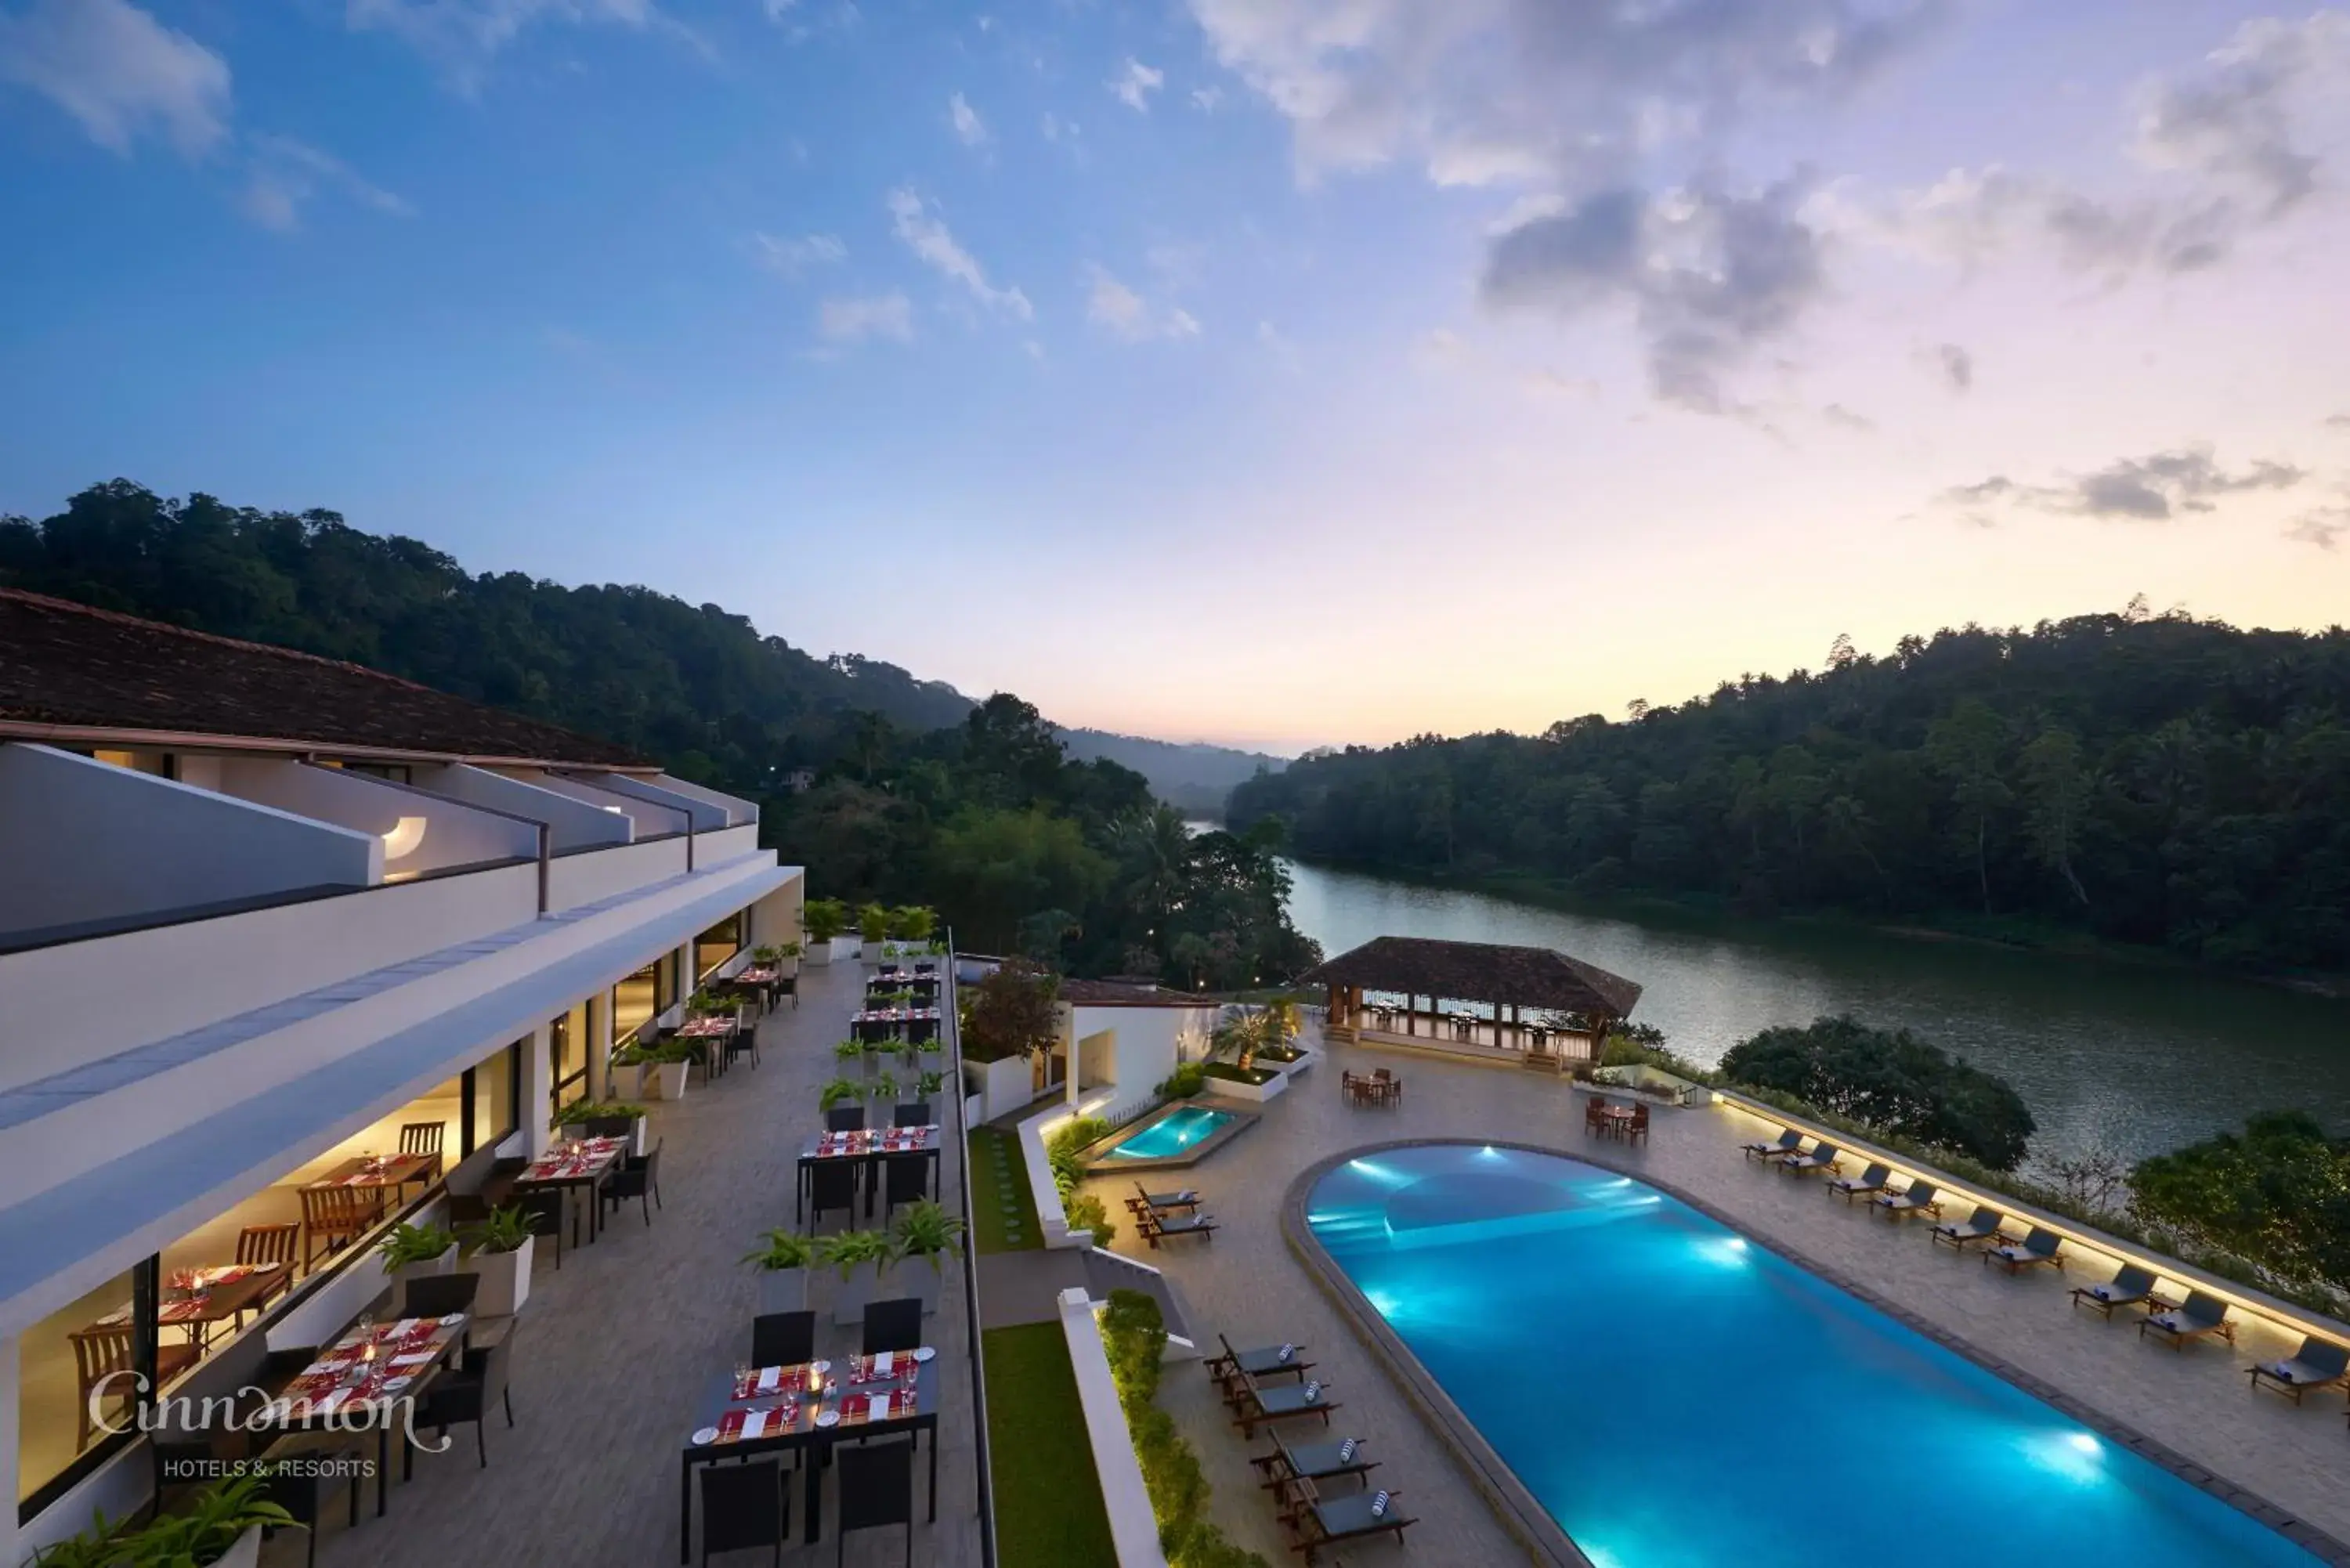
546	862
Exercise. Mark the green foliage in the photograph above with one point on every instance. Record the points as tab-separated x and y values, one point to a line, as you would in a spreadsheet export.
1643	1044
206	1528
1184	1082
783	1248
1085	1211
579	1111
1134	1337
2279	1195
1891	1080
825	917
1063	1150
882	1086
844	1250
913	923
837	1091
848	1050
1048	1505
406	1244
1012	1013
505	1230
926	1229
873	923
2122	778
930	1084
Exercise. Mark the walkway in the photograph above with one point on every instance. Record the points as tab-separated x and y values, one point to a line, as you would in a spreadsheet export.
615	1350
1246	1283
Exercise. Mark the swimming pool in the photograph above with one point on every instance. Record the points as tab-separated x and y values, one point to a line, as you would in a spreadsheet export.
1671	1393
1171	1135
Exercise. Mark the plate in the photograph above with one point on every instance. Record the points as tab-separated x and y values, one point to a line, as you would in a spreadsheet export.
394	1385
706	1436
827	1417
819	1366
453	1320
923	1353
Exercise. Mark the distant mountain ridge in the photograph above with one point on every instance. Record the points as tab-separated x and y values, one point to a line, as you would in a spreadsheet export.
1190	776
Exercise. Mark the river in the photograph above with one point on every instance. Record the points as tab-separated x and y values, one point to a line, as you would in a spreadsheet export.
2127	1057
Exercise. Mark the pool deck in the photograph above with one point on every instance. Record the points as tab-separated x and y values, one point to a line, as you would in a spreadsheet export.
1248	1284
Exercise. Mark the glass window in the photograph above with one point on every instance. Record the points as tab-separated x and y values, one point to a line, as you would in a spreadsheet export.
716	945
77	1352
493	1097
634	1001
137	761
567	1047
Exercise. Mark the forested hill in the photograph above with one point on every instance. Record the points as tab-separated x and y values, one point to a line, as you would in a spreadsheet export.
696	686
1193	777
2155	780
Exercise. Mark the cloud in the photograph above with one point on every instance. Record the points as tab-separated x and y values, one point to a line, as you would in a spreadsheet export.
2325	528
1206	100
1134	85
1708	276
460	38
2154	489
1843	417
119	72
2337	421
927	235
793	256
969	129
854	318
2233	120
286	174
1126	315
1958	366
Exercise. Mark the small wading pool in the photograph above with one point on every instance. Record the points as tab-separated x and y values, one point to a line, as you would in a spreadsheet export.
1670	1393
1177	1134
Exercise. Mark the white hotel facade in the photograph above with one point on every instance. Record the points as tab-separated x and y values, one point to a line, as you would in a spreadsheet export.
258	912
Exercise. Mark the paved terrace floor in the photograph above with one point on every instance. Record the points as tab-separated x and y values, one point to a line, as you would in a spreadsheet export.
1245	1283
615	1351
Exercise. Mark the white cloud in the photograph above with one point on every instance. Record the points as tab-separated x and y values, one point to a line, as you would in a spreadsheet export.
2156	488
462	36
117	72
793	254
927	235
1134	85
286	173
969	129
1205	100
853	318
1126	315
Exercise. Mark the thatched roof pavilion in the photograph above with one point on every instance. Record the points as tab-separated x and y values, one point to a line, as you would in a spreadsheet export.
1490	988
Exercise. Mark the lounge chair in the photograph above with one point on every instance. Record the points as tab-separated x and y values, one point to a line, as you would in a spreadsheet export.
2318	1364
1789	1145
2203	1315
1252	1405
2040	1245
2130	1286
1917	1198
1318	1521
1982	1225
1156	1228
1867	1184
1162	1202
1271	1361
1323	1461
1823	1157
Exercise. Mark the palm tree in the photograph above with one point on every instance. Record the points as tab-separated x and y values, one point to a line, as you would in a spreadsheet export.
1155	848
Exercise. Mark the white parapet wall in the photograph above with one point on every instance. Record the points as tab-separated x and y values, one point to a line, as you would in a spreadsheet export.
707	815
574	823
1032	1134
652	821
421	832
1133	1529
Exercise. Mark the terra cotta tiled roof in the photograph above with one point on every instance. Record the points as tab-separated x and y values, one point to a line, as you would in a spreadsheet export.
67	664
1479	971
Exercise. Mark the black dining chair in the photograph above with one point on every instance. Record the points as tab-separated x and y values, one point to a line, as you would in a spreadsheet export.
845	1118
464	1399
917	1115
438	1295
543	1208
303	1484
746	1505
833	1185
907	1179
876	1488
782	1339
637	1178
893	1324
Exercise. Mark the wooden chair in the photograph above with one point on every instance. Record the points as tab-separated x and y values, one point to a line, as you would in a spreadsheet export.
261	1245
338	1216
103	1350
1386	1086
1595	1116
1636	1130
423	1137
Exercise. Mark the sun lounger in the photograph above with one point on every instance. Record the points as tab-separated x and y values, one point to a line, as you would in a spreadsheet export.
2130	1286
2318	1364
2204	1314
1271	1361
1252	1405
2040	1245
1324	1461
1162	1202
1156	1228
1789	1145
1823	1157
1319	1522
1982	1225
1867	1184
1917	1198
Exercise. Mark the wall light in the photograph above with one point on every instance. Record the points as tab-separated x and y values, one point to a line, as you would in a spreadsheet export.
405	836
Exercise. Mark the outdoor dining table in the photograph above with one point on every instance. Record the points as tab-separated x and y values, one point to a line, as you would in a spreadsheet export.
200	1297
758	980
379	1170
776	1408
364	1373
865	1145
582	1166
709	1027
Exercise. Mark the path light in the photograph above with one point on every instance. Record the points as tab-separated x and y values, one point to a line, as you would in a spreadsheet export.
405	836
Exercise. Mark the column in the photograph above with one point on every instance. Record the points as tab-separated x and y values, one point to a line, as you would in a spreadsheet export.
538	1090
683	959
599	1044
11	1550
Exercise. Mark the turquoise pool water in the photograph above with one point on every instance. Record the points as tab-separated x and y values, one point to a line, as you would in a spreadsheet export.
1677	1397
1170	1135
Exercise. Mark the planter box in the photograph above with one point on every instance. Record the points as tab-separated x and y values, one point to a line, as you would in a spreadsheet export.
783	1290
244	1552
915	1277
870	952
786	969
849	1295
431	1266
1235	1089
505	1280
626	1081
816	953
667	1079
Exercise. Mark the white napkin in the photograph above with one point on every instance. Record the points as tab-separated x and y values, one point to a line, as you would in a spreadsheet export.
885	1364
754	1425
405	1327
769	1376
413	1358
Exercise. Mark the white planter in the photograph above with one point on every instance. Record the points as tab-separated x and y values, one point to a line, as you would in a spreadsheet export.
815	952
786	969
668	1080
244	1552
915	1277
849	1295
627	1080
870	952
1240	1090
637	1136
505	1280
783	1290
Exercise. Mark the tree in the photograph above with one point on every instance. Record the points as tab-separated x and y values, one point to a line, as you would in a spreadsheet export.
1964	744
2056	793
1014	1011
2278	1195
1889	1079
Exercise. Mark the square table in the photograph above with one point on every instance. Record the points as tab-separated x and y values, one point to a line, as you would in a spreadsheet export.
712	1027
356	1379
867	1145
379	1170
583	1165
200	1297
778	1410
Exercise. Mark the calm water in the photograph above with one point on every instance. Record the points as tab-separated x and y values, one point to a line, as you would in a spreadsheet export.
1587	1324
1170	1135
2133	1059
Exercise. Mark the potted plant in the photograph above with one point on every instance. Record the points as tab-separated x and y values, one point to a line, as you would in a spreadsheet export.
912	924
850	1053
578	1113
883	1088
99	1546
837	1091
221	1527
826	918
782	1259
412	1252
669	1061
858	1255
499	1250
626	1075
784	958
873	927
924	1232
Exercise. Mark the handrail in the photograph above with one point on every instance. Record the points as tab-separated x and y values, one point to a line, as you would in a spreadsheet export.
950	1026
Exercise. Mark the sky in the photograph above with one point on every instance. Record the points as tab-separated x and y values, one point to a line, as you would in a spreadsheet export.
1275	372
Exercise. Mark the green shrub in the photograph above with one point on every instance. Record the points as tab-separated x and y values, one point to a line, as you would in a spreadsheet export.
1134	1336
1061	1150
1184	1082
1087	1212
1892	1079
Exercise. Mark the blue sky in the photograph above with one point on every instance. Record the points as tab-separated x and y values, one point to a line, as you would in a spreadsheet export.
1276	371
